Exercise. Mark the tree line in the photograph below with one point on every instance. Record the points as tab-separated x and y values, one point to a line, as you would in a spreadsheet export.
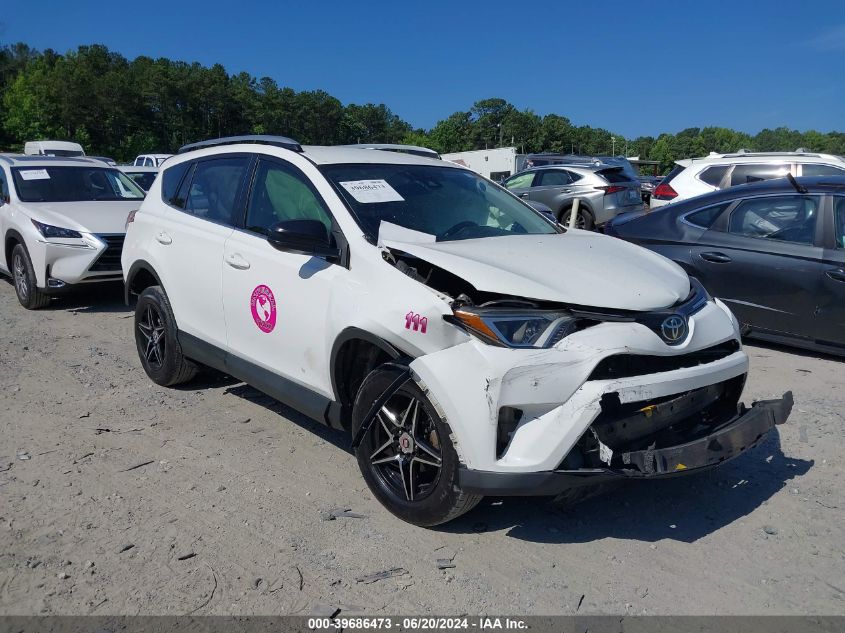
120	108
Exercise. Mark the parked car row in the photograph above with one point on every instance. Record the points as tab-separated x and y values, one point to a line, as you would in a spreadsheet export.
696	176
604	190
774	251
467	344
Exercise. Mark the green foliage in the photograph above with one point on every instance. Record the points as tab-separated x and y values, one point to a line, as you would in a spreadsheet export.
122	108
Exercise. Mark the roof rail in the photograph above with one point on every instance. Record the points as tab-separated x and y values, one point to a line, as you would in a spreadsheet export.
259	139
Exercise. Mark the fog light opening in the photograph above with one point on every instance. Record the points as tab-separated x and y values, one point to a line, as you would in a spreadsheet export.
509	418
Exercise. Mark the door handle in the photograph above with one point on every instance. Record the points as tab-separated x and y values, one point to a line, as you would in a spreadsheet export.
565	190
164	238
837	274
716	258
523	195
236	260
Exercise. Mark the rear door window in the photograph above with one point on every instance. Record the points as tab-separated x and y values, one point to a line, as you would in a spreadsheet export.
810	170
713	175
214	188
553	178
839	214
787	218
744	174
706	217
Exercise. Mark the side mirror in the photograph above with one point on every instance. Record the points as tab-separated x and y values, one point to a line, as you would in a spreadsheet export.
302	236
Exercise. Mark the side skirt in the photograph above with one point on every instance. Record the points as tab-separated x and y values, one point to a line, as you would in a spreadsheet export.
304	400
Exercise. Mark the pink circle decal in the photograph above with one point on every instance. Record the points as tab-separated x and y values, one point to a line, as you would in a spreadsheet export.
263	306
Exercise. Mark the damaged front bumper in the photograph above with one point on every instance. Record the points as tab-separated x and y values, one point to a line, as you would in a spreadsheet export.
746	430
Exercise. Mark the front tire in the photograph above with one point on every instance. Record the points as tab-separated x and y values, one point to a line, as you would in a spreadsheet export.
26	286
157	341
406	456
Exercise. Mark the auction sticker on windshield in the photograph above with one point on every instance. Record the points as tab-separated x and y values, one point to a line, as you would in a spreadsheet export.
34	174
263	307
368	191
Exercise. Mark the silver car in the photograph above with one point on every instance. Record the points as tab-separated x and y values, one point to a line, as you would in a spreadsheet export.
605	191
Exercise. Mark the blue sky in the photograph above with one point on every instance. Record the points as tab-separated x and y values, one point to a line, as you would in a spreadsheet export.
633	67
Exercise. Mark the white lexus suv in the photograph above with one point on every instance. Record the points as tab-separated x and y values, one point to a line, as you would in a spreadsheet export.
62	221
696	176
468	345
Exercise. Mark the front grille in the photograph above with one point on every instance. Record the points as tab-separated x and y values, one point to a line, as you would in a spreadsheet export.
109	259
627	365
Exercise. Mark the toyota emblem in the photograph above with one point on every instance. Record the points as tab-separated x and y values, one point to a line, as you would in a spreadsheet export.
673	329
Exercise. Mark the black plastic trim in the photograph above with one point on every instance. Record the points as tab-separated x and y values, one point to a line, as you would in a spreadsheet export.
745	431
137	267
304	400
351	334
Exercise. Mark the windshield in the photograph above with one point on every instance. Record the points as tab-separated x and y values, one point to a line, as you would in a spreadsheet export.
73	184
449	203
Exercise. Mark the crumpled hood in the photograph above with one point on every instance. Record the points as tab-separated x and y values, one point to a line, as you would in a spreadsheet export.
101	216
577	267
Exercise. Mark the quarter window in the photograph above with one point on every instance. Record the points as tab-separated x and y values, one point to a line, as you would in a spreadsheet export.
785	218
713	175
170	180
744	174
214	189
282	193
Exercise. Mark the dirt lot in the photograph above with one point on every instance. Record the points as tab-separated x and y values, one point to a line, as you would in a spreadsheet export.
120	497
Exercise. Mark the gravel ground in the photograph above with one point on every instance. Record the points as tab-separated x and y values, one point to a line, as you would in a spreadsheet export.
121	497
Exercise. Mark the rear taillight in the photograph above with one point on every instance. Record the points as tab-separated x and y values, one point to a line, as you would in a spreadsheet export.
130	219
611	189
664	192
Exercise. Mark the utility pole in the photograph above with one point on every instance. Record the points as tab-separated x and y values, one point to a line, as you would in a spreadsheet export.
613	146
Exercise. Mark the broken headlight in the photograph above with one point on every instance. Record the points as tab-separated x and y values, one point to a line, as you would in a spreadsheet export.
515	327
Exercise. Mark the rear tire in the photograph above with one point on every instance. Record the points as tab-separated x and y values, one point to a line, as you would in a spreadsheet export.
157	341
26	286
406	456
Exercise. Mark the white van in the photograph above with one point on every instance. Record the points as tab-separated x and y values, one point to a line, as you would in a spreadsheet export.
53	148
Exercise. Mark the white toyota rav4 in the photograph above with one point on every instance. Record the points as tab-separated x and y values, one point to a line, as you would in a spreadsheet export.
468	345
62	221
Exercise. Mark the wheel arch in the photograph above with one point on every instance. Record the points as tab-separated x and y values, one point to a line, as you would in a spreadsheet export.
356	352
11	238
141	275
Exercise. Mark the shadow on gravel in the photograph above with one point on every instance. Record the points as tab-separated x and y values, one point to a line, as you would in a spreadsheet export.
98	298
682	509
339	439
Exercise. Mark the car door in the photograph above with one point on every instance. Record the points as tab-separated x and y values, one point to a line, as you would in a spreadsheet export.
520	184
762	257
552	187
830	316
189	243
277	304
4	215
